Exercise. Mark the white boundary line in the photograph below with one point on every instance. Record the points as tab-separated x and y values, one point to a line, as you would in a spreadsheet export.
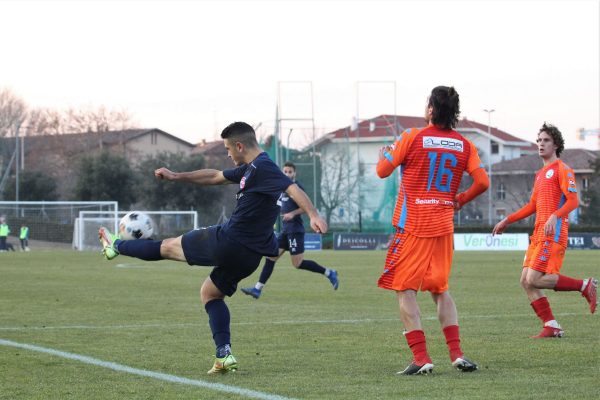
290	322
149	374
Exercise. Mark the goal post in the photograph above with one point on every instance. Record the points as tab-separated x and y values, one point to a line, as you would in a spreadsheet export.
165	223
51	223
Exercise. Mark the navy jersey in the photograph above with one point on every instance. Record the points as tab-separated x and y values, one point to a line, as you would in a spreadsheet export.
251	224
295	225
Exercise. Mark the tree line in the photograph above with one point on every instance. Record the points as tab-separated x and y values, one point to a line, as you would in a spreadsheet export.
17	114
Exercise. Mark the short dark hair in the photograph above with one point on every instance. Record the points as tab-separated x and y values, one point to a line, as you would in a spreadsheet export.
446	106
556	136
241	132
290	164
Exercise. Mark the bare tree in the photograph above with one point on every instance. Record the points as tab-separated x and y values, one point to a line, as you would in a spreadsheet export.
45	121
13	111
338	182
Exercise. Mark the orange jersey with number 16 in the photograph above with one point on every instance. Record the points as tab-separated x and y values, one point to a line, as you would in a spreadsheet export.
432	162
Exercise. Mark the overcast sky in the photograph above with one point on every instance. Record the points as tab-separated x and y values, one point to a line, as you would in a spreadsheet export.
192	67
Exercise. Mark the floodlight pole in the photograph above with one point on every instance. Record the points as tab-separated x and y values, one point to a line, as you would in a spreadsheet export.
17	167
489	112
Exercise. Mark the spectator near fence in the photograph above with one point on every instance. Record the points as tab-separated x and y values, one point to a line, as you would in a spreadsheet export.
4	231
24	238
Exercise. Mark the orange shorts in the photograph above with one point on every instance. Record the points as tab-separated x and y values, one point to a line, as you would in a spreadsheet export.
544	256
418	263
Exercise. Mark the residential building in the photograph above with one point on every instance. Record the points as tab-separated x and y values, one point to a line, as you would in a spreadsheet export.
349	155
513	180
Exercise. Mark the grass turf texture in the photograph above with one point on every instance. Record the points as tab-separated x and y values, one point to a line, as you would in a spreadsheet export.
300	340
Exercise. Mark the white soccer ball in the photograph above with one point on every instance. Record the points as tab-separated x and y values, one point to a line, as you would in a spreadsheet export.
136	225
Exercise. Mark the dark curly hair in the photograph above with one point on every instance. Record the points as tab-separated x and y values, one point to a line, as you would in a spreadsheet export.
446	106
556	136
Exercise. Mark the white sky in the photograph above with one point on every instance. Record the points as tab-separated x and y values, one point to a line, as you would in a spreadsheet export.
192	67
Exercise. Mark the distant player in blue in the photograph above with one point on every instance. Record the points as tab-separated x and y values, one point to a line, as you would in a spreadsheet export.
234	248
290	239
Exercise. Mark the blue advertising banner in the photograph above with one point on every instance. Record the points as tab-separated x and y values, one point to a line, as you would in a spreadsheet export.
584	241
313	241
360	241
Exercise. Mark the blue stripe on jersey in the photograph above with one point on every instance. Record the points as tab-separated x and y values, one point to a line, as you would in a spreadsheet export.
388	156
402	221
560	220
572	190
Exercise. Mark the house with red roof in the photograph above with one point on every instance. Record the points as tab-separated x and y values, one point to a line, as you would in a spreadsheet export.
349	156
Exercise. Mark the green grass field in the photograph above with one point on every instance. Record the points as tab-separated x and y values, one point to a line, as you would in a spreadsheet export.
300	340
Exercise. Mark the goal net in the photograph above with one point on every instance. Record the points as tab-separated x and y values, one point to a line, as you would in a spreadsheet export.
166	224
51	223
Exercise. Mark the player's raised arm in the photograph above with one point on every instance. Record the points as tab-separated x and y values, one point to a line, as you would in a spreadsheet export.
199	177
317	223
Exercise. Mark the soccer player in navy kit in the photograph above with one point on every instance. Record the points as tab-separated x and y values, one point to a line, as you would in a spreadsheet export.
234	248
291	239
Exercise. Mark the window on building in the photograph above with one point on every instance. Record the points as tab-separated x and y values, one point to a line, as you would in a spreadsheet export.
585	183
500	214
495	147
154	138
501	191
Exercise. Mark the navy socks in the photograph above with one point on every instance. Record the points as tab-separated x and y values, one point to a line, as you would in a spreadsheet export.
312	266
267	270
148	250
218	319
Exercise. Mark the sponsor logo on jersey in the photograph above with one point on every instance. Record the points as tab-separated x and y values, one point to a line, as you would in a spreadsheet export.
243	182
434	142
434	201
571	182
549	173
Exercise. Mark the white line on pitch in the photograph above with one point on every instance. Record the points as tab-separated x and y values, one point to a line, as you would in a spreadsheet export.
289	322
149	374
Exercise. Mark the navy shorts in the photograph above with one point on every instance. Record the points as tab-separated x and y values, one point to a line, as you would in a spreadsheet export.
232	261
292	242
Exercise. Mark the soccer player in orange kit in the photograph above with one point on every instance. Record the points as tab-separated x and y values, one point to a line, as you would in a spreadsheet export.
554	196
432	161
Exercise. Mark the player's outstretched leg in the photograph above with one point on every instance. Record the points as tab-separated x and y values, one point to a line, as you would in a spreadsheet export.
107	240
309	265
587	287
589	292
147	250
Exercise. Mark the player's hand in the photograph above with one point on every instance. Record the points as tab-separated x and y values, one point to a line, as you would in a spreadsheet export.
457	201
550	225
318	224
164	173
287	217
382	151
500	227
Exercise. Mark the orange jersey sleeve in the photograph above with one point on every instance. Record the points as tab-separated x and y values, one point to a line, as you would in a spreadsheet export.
396	153
524	211
481	181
